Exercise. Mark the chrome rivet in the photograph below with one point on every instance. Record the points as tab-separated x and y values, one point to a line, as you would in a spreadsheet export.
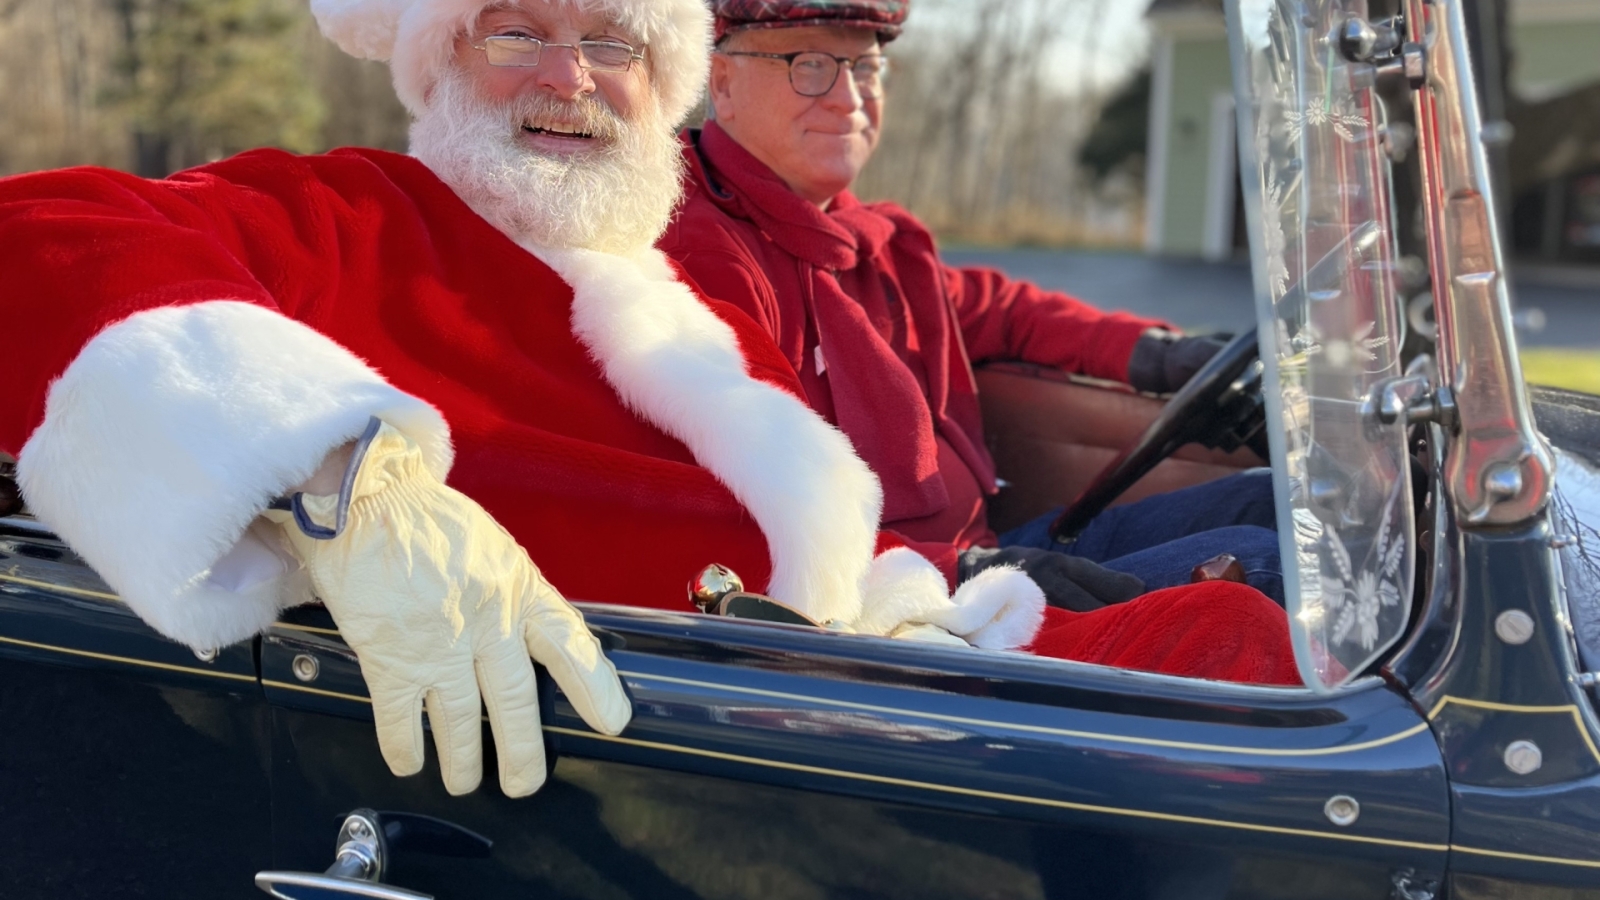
357	828
1524	757
1514	626
206	656
306	667
1342	810
1502	480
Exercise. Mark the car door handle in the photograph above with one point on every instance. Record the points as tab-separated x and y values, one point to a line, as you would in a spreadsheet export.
361	854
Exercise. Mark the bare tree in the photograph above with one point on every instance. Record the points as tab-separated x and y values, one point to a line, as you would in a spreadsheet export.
983	121
983	126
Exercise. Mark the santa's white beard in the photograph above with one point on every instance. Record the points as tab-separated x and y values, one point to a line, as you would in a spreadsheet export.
616	197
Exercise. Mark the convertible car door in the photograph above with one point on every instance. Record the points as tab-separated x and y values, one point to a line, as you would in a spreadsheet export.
775	761
128	766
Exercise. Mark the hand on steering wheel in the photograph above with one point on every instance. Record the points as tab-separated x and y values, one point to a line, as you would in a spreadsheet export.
1220	407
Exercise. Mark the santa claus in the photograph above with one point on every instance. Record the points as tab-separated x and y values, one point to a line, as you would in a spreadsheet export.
375	379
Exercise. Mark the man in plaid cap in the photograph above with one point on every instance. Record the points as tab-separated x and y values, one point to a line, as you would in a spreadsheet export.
882	333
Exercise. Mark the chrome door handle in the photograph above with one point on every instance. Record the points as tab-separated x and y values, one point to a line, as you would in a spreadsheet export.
360	854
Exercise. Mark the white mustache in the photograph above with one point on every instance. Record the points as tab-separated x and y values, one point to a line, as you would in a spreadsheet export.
615	195
584	115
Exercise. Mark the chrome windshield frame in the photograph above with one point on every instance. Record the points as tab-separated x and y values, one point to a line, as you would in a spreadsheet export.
1498	469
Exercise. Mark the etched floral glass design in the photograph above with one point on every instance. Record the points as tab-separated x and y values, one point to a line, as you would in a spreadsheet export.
1316	187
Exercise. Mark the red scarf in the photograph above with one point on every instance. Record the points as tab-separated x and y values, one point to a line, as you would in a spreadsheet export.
884	399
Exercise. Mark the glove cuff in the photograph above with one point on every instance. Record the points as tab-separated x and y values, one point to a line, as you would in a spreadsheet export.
1147	366
335	508
973	560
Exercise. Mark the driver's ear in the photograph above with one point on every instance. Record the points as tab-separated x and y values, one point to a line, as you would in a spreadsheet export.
721	87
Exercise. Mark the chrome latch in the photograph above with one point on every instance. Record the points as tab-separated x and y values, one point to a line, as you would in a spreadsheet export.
1363	41
1406	399
1383	44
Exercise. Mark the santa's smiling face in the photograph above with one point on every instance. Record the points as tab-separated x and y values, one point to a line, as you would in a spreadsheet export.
552	148
556	71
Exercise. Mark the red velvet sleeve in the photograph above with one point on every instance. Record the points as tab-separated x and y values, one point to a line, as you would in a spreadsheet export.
732	277
84	248
1005	319
763	360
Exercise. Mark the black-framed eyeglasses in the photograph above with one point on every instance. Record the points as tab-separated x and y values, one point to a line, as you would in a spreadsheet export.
813	73
515	50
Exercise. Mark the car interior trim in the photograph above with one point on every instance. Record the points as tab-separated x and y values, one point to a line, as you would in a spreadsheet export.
994	795
127	660
1042	729
1569	709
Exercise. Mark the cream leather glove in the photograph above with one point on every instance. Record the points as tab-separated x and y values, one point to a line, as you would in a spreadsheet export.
443	610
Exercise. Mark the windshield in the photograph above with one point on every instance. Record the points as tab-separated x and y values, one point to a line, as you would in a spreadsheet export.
1317	200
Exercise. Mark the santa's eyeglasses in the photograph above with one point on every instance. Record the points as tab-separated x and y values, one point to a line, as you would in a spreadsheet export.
813	73
515	50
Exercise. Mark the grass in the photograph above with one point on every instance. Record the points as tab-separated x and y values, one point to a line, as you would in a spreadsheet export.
1577	370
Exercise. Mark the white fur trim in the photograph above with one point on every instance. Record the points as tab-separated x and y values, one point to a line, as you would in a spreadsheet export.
999	609
417	37
174	428
902	586
679	366
364	29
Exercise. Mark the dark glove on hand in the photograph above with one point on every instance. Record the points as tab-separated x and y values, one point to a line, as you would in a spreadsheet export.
1164	361
1067	581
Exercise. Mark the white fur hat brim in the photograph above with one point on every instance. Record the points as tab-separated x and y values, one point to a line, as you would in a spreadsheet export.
417	39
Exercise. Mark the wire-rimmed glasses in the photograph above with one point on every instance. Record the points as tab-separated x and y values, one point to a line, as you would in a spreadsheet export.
813	73
515	50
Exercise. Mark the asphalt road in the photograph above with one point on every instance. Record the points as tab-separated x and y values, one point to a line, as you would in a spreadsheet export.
1217	296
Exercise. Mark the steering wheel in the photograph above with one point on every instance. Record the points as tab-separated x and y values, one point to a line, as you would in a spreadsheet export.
1221	407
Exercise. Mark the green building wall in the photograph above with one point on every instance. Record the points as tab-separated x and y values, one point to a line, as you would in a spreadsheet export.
1551	57
1200	72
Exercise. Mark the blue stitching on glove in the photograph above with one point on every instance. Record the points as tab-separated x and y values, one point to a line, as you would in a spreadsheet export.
294	504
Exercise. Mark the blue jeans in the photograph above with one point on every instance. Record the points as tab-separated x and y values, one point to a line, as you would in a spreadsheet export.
1160	539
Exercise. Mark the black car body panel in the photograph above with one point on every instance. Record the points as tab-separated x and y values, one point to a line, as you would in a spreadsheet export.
758	747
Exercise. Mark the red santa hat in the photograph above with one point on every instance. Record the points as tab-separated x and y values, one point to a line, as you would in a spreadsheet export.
416	38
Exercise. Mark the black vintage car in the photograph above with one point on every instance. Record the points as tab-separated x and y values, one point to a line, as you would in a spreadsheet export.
1437	520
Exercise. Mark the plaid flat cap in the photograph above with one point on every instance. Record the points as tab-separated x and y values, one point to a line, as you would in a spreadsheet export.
885	16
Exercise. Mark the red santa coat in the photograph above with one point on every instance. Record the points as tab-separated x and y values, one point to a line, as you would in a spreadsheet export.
880	331
190	348
212	329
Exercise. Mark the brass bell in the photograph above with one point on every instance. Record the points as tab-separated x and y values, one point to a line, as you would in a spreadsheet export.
712	584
